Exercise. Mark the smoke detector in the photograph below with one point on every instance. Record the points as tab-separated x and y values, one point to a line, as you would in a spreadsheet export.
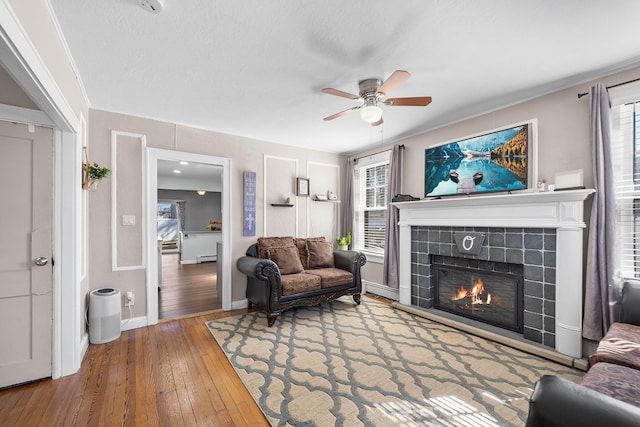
151	6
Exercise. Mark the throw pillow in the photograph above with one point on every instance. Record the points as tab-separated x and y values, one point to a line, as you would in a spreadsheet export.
320	254
301	243
286	259
265	243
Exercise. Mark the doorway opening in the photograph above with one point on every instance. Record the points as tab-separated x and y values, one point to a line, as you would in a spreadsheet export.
190	273
189	230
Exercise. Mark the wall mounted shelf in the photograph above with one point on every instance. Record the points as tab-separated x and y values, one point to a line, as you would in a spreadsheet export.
282	205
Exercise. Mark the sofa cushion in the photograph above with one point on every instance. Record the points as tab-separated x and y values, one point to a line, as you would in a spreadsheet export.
320	254
332	276
297	283
621	345
619	382
287	259
266	243
302	248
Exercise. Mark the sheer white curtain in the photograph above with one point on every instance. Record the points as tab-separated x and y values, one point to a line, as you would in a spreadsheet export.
391	246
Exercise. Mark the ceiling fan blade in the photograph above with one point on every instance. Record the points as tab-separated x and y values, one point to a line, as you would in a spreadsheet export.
378	123
336	92
341	113
396	78
418	101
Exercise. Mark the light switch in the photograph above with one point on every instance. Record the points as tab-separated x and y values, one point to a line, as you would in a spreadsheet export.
128	220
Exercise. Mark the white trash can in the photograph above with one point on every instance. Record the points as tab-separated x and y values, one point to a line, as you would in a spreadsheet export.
104	315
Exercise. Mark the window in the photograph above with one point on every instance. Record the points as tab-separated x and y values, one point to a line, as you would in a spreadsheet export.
626	155
371	191
167	211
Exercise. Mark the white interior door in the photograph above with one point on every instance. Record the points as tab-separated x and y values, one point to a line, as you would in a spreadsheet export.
26	197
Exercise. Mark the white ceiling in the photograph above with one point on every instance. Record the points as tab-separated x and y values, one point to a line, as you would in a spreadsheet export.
189	176
255	68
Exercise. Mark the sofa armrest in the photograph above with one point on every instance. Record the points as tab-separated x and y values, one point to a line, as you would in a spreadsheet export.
629	312
264	286
349	260
257	268
557	402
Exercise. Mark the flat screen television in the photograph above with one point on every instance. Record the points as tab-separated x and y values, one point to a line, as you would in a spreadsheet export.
492	162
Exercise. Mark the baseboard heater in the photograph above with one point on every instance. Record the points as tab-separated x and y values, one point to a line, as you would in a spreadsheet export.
206	258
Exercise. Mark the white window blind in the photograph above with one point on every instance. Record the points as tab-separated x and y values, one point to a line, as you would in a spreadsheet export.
626	156
372	182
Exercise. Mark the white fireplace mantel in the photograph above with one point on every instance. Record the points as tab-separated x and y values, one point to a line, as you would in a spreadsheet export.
561	210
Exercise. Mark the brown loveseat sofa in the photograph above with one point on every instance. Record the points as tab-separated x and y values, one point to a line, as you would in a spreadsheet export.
609	393
286	272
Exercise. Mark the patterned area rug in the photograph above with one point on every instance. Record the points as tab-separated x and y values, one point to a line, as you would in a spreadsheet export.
373	365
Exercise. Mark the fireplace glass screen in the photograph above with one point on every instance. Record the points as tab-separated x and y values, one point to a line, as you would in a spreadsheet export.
487	296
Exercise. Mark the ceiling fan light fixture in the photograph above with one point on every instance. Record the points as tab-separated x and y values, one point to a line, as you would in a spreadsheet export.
371	113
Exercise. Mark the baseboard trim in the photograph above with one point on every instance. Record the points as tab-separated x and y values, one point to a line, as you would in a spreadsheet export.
133	323
237	305
84	345
380	290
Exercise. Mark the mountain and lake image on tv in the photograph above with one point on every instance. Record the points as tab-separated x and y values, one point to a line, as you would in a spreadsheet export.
492	162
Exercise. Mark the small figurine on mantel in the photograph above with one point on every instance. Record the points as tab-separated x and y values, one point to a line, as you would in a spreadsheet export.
287	200
542	184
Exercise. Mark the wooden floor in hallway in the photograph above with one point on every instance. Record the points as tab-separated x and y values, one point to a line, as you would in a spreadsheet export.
187	289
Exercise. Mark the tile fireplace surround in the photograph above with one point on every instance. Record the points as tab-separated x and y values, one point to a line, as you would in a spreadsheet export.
527	213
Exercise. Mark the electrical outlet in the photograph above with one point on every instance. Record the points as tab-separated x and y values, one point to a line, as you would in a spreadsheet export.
128	299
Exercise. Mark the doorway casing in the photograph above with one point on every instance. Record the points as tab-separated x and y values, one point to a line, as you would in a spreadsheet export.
152	157
22	61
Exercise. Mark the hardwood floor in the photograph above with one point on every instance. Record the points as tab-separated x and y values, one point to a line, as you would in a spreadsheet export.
170	374
187	288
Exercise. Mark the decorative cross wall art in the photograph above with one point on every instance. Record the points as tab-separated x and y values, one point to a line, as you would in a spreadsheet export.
249	211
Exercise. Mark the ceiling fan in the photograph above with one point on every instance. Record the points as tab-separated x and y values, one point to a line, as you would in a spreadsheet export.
373	92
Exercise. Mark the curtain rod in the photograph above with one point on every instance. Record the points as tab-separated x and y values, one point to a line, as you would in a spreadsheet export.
580	95
379	152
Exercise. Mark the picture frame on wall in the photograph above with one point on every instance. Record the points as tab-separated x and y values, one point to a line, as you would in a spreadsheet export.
302	187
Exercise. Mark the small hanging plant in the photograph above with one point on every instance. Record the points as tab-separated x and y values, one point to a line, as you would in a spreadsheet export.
96	172
93	173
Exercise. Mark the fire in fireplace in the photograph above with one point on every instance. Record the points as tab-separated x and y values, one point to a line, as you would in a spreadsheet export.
487	296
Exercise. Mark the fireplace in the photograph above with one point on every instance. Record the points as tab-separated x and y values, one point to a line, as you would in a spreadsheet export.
543	231
488	296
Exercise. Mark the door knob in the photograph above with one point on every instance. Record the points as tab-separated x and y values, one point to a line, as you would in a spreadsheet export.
41	260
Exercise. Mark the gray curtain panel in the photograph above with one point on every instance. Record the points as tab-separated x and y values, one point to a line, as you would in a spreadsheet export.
391	244
602	287
349	194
